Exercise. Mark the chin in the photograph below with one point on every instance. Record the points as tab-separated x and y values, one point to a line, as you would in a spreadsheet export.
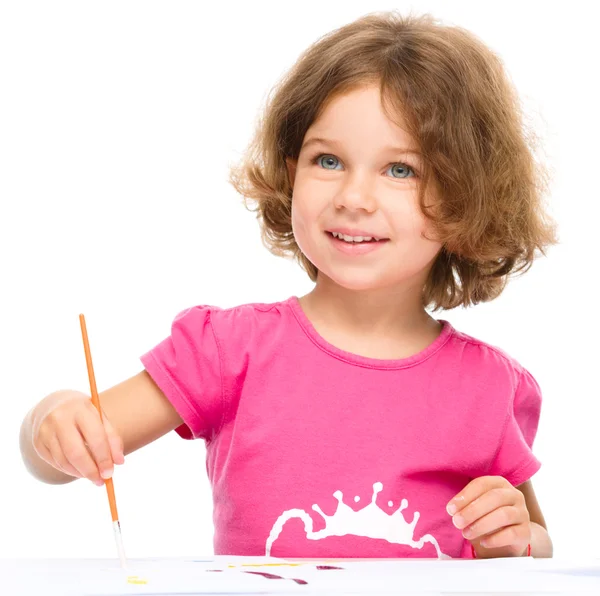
355	282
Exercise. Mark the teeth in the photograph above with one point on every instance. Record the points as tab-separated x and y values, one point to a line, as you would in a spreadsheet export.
353	238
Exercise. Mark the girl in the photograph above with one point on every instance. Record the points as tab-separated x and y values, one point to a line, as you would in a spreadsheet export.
392	162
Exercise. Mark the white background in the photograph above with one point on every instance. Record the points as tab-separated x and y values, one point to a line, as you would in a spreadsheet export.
118	121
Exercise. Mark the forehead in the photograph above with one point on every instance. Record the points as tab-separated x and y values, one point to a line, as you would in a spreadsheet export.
359	113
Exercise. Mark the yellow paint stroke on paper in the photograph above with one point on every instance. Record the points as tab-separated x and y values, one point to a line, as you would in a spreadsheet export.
134	579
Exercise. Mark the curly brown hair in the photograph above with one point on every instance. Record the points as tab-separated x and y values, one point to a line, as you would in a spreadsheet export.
458	104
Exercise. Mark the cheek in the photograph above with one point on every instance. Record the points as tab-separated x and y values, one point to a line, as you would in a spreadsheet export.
301	221
408	221
308	203
415	233
424	237
428	246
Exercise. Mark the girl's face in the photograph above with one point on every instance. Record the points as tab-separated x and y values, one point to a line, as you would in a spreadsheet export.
355	175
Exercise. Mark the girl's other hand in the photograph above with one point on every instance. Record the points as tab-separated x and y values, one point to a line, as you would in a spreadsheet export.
493	514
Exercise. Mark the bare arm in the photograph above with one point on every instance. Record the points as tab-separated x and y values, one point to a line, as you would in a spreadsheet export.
65	429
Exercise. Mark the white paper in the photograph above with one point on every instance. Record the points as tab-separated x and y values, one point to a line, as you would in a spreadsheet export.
246	575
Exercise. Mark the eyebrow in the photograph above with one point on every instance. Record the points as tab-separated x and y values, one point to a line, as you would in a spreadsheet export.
323	141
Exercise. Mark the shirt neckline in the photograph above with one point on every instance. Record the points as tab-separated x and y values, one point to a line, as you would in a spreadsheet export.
381	363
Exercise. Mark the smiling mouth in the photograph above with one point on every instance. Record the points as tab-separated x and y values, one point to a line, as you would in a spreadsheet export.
356	239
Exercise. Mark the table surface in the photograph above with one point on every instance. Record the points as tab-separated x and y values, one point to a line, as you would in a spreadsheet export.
195	576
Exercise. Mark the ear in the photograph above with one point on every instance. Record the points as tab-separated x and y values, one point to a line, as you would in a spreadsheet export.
291	165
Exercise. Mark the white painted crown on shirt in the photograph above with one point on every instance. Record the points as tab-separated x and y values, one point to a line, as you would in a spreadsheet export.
369	522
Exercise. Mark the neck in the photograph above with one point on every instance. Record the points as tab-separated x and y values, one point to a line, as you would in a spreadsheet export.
393	312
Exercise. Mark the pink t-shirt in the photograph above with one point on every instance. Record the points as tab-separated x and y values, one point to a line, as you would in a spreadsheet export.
316	452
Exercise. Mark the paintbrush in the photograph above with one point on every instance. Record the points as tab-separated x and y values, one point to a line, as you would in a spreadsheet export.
110	490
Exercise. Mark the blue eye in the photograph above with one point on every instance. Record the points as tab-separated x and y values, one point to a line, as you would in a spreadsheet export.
330	158
403	168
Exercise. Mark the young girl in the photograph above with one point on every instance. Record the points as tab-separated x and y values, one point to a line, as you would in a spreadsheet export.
392	162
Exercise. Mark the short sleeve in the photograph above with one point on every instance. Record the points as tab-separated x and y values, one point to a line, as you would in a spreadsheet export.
514	459
186	367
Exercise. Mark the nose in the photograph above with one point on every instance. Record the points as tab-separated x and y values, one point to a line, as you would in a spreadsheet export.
356	193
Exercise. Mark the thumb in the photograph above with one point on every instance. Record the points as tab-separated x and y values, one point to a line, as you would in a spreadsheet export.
114	440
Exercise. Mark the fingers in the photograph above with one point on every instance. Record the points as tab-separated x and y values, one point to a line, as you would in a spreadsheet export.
94	434
115	442
54	456
506	499
499	518
475	489
516	537
74	440
492	511
77	455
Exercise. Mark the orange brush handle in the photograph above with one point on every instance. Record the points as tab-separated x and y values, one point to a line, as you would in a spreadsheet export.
110	490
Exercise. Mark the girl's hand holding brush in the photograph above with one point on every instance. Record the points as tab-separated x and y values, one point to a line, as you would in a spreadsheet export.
68	434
